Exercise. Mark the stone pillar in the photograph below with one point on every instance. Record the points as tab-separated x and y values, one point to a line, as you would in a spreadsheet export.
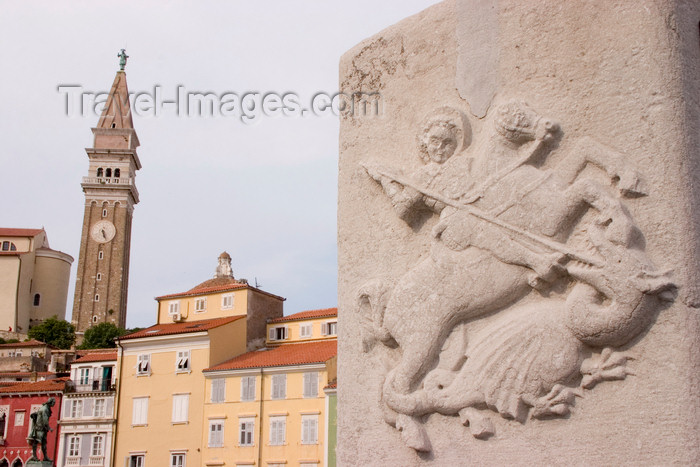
519	259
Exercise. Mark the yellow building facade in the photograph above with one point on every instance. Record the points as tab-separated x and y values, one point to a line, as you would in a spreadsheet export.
161	384
267	407
33	279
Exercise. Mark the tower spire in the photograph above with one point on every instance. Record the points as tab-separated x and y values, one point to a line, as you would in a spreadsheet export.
117	110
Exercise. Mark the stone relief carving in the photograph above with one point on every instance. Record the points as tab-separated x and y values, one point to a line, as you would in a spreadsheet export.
554	256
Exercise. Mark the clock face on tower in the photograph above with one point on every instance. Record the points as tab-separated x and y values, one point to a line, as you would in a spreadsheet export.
103	231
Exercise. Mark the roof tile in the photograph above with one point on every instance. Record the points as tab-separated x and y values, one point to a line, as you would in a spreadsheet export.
29	343
11	232
49	385
283	355
325	312
181	328
104	355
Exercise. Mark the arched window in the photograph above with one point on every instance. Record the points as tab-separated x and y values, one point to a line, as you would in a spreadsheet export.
17	463
4	463
117	173
108	173
37	299
8	246
99	171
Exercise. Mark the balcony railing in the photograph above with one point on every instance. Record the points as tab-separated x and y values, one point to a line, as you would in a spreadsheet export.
96	460
72	460
101	385
110	180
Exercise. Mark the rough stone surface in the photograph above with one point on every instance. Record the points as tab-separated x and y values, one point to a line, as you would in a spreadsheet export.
518	237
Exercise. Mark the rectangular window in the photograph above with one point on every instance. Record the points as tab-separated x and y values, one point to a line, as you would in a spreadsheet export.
311	384
216	433
181	404
330	328
137	460
305	330
99	276
200	304
278	428
177	459
144	364
227	302
246	427
98	443
83	376
218	390
76	408
97	297
100	255
309	429
174	308
183	361
19	418
18	353
279	386
99	408
74	446
278	333
248	388
139	415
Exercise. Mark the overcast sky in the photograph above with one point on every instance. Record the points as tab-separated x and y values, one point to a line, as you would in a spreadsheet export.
263	191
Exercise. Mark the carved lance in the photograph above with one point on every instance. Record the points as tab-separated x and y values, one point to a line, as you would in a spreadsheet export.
479	214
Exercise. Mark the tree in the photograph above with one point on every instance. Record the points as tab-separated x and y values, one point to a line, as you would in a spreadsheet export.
101	336
54	331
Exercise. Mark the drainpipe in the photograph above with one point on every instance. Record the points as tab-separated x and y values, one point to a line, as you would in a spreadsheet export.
117	401
260	414
58	428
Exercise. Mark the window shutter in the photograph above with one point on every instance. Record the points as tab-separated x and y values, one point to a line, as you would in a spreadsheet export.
324	329
287	334
271	334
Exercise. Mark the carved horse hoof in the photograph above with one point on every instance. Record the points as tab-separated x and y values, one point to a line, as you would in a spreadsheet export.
413	433
480	426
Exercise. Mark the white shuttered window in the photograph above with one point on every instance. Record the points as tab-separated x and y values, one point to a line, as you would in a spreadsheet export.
279	386
309	429
278	427
181	403
248	388
311	384
216	433
139	415
218	390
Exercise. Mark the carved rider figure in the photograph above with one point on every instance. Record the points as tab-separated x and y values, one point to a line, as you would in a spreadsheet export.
503	231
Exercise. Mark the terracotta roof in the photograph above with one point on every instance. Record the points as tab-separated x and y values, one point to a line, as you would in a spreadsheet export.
181	328
24	374
49	385
30	343
205	288
13	253
283	355
332	384
103	355
10	232
212	285
306	315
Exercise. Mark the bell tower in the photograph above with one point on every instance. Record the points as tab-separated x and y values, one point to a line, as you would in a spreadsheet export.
110	195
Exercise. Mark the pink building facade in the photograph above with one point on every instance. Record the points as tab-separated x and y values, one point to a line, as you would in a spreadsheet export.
17	403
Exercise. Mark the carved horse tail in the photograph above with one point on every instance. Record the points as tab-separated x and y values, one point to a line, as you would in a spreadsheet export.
600	315
371	304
